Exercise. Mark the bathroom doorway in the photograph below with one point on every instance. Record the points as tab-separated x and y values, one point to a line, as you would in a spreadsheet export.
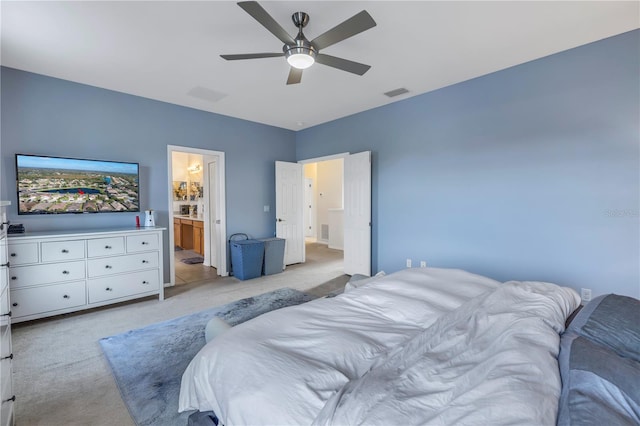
197	214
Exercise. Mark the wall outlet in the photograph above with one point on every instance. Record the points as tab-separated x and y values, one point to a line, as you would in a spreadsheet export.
408	263
585	294
423	264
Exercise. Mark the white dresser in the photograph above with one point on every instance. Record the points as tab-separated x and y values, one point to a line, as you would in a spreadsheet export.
52	273
6	352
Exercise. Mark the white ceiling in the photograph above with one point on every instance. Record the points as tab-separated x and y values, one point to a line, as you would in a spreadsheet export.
167	50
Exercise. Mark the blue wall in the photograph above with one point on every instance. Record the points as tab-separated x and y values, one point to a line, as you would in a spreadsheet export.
531	173
43	115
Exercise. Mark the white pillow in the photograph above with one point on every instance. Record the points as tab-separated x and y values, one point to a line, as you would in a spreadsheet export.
214	328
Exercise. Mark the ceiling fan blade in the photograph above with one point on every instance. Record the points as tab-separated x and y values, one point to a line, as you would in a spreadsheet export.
251	56
342	64
356	24
295	76
261	15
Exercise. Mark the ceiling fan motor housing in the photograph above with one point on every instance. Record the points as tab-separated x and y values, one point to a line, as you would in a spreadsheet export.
302	46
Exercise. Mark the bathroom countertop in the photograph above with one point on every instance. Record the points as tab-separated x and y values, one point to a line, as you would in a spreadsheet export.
186	216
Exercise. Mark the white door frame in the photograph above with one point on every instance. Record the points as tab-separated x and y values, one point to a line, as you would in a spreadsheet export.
221	268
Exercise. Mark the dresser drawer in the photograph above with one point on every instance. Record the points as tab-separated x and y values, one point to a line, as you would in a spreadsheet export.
102	289
21	254
4	310
57	251
36	300
105	246
4	305
4	278
120	264
5	339
4	255
25	276
6	413
7	386
144	242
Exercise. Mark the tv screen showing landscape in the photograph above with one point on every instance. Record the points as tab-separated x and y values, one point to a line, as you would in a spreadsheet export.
54	185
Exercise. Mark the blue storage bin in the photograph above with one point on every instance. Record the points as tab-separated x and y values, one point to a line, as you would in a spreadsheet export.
273	255
246	258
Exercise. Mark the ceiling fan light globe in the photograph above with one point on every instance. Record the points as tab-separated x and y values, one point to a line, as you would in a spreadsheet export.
300	61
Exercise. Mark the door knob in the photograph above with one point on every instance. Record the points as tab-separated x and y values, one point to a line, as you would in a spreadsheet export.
280	220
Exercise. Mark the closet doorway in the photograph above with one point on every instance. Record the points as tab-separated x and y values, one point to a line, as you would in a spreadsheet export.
197	234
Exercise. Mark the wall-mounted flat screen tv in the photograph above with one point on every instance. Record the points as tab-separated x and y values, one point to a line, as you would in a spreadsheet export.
55	185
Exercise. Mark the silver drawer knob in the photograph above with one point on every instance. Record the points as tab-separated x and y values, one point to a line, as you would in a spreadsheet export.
65	272
107	247
66	296
144	243
145	261
107	266
145	282
13	255
65	251
108	289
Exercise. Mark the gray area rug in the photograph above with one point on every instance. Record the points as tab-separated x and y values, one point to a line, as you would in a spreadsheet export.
193	260
148	363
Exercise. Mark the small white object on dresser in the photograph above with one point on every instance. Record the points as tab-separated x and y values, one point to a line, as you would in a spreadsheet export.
6	352
53	273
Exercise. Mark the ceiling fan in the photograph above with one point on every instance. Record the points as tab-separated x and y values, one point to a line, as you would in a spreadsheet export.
302	53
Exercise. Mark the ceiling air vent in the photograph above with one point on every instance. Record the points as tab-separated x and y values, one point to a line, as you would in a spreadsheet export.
396	92
206	94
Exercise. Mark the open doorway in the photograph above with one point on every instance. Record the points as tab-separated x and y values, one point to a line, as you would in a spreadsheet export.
324	206
353	217
197	214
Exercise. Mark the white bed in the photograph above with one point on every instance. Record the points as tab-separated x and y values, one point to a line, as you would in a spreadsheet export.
419	346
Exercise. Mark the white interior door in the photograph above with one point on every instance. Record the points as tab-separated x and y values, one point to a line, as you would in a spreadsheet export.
357	214
309	209
289	210
212	221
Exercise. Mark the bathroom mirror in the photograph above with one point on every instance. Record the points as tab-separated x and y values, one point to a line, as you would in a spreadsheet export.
180	190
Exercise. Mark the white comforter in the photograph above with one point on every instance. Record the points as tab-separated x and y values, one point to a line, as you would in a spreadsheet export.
415	347
490	362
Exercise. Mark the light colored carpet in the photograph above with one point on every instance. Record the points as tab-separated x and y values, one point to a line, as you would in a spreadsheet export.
61	377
